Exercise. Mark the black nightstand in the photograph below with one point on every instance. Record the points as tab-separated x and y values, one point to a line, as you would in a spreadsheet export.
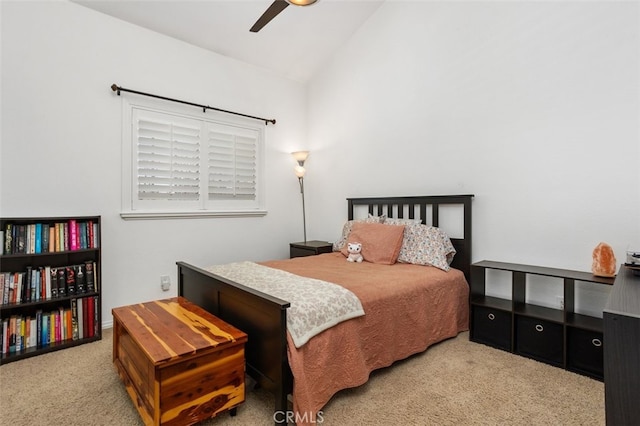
310	248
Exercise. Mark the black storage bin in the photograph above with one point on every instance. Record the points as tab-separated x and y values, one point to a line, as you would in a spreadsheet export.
492	327
539	339
585	352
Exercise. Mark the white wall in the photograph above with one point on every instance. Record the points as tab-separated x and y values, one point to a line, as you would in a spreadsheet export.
531	106
61	139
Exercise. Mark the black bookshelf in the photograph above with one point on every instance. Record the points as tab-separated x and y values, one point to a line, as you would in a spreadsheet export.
41	255
557	336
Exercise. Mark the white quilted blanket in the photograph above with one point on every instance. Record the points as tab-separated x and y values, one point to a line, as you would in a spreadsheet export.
315	305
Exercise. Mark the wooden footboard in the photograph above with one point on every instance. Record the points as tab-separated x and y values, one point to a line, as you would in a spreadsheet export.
262	317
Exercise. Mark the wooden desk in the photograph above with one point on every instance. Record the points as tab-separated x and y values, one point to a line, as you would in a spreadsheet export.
180	364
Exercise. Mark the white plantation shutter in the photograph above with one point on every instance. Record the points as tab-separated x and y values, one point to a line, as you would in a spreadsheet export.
232	163
182	165
168	160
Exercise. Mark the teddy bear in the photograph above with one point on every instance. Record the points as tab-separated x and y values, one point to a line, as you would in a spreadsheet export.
354	250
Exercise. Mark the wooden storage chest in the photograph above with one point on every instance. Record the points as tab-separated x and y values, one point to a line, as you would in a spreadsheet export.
180	364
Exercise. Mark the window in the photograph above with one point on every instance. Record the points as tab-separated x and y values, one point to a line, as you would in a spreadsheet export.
179	163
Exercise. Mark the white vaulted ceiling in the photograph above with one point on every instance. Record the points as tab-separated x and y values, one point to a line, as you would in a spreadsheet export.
294	44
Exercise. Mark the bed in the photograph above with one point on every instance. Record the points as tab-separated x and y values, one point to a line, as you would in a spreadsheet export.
321	366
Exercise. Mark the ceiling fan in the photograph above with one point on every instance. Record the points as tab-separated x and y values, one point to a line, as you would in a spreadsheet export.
276	7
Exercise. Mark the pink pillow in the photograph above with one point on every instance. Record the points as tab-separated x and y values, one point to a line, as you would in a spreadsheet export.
380	243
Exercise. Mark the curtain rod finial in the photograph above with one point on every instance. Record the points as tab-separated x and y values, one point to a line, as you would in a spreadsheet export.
115	87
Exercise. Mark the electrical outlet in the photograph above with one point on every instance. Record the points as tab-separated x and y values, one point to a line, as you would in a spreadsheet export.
560	302
165	282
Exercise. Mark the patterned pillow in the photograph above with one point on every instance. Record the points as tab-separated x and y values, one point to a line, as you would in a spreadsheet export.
406	222
348	225
426	245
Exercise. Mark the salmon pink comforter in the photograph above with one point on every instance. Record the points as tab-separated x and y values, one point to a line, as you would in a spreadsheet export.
407	309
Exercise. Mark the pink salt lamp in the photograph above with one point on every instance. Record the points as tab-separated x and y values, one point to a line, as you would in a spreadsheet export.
604	261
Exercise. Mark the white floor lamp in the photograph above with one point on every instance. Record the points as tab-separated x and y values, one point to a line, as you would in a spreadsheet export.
301	157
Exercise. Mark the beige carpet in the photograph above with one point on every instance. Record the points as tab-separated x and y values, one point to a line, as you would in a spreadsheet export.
456	382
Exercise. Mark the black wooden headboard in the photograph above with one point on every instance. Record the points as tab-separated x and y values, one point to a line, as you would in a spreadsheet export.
418	207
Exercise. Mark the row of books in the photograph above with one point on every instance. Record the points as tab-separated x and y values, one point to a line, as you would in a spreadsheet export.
48	282
36	238
79	321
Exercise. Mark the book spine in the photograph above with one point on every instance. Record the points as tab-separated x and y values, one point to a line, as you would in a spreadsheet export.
58	317
31	286
27	333
83	235
7	279
91	305
8	239
85	317
89	277
5	335
45	238
72	226
42	283
58	237
23	333
33	336
80	279
65	236
45	328
62	282
54	283
70	273
22	281
22	239
38	238
52	327
96	236
17	288
12	334
41	328
31	238
47	280
52	238
79	235
80	319
12	289
34	331
38	328
91	241
19	333
24	287
69	324
36	285
74	319
96	319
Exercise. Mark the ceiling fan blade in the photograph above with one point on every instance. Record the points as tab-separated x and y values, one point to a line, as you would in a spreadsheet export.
276	7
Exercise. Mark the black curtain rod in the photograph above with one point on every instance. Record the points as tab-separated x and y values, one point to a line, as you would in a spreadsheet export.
119	89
